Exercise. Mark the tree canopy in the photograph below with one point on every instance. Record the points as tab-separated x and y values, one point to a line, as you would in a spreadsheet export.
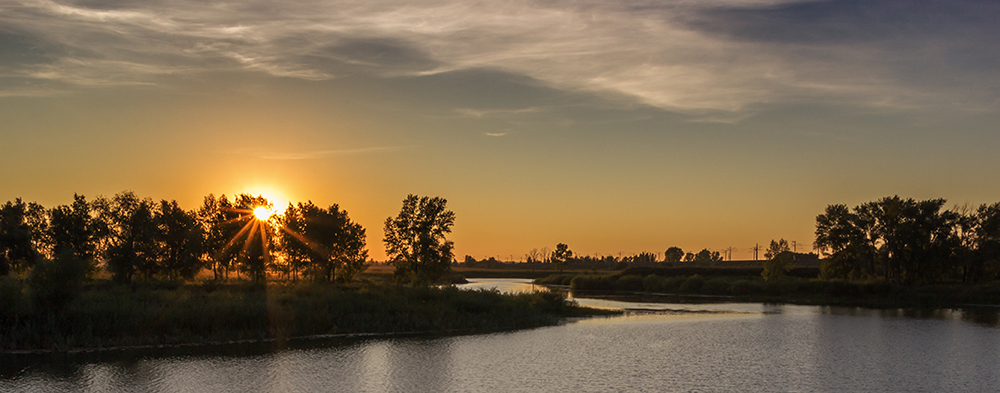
415	241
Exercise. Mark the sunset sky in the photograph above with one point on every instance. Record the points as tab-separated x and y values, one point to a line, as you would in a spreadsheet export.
610	126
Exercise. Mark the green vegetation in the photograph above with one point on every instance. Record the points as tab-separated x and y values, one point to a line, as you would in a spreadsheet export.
104	314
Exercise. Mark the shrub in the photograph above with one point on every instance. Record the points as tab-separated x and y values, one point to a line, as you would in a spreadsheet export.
653	283
629	283
716	286
54	282
692	284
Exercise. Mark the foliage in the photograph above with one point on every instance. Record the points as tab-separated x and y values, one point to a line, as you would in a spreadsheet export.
72	229
415	240
673	254
54	282
333	245
705	256
561	256
22	227
906	241
131	236
779	260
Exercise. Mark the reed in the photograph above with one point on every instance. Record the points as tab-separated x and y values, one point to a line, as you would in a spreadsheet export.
106	315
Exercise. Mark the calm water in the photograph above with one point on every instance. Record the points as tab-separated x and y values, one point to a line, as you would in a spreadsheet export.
753	348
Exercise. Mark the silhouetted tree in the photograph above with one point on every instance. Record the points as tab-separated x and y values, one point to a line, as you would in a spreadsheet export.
333	243
895	239
72	229
182	240
561	256
256	236
415	239
673	254
779	260
985	228
707	256
218	220
294	245
132	236
22	229
689	257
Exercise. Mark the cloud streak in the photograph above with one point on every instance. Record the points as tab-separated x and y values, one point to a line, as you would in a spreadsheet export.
682	56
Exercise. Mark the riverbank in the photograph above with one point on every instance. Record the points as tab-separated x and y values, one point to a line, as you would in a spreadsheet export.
104	315
791	290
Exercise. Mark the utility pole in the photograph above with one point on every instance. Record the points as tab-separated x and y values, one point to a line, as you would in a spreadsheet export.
729	252
756	248
793	246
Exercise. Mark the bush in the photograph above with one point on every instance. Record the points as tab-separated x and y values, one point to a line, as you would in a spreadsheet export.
13	302
54	282
692	284
745	287
716	286
592	282
629	283
653	283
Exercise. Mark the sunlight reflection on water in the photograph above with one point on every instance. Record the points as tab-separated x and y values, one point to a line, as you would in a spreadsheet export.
763	348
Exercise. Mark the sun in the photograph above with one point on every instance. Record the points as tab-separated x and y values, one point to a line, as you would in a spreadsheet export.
262	213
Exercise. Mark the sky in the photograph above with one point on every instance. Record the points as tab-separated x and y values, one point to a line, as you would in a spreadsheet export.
613	127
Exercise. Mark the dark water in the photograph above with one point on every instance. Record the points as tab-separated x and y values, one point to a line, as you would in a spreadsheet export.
752	348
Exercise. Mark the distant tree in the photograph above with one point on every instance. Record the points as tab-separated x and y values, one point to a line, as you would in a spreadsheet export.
779	260
776	247
689	257
415	240
470	261
704	256
533	256
673	254
644	258
22	229
560	257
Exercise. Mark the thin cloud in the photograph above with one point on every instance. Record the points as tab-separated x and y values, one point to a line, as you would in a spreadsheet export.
670	54
496	134
317	154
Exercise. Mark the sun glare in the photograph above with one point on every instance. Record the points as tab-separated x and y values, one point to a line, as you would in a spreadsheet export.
262	213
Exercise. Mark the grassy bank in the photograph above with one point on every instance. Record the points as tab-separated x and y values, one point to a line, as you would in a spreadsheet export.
792	290
105	315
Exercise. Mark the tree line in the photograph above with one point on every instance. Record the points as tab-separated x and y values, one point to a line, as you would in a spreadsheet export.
906	241
137	238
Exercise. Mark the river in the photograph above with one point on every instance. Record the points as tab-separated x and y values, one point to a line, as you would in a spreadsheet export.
683	347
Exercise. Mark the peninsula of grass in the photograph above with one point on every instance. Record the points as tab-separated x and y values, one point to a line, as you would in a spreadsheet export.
105	315
729	285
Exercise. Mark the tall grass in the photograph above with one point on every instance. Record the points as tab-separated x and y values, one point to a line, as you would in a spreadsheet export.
124	315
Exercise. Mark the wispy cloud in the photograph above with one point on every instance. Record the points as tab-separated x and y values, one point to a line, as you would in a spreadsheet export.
496	134
317	154
704	58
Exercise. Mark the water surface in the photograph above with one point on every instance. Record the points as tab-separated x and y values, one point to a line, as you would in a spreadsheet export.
755	347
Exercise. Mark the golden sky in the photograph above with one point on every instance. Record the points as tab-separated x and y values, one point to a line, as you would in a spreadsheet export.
609	127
